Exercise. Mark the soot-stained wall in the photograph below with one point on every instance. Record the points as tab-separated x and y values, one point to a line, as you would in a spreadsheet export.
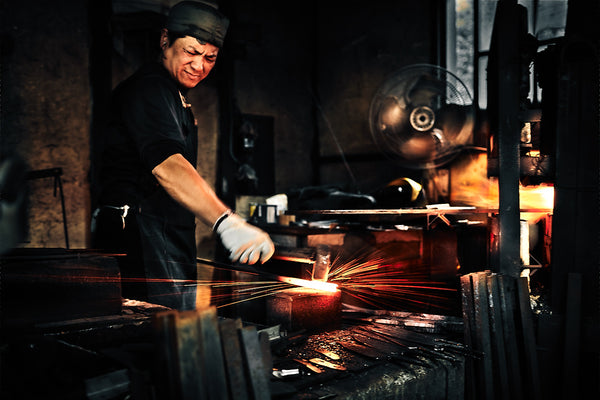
45	111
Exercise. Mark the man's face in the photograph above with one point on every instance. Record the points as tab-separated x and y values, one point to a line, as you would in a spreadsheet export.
189	61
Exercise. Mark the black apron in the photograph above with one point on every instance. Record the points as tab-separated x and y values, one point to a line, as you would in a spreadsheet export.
157	237
167	240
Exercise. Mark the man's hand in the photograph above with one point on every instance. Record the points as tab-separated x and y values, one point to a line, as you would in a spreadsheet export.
246	243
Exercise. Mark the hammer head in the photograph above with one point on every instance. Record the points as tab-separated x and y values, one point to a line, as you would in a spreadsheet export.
322	263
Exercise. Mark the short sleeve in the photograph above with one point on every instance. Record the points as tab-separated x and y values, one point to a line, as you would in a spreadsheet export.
149	112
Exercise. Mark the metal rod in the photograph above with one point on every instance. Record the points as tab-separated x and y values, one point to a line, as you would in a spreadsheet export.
58	181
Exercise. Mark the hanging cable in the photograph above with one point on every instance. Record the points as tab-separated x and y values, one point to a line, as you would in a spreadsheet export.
335	139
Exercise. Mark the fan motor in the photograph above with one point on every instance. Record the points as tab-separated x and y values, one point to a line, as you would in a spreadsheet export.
422	118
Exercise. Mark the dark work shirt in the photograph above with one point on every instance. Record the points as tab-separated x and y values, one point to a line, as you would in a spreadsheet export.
149	123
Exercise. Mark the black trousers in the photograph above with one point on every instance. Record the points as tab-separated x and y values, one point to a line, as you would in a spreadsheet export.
159	259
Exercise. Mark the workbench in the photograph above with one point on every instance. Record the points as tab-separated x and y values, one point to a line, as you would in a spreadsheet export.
419	359
115	355
59	343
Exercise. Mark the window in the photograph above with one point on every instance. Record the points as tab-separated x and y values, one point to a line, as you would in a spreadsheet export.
470	24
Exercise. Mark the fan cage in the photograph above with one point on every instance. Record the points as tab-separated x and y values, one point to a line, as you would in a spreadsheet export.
394	94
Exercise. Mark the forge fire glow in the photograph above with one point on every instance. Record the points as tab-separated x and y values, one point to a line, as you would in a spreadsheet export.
471	186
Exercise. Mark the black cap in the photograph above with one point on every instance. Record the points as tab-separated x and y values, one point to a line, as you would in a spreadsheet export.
200	20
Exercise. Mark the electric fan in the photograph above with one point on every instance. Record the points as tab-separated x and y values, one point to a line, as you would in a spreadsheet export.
422	116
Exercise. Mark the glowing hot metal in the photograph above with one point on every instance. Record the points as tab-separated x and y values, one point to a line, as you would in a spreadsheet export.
318	285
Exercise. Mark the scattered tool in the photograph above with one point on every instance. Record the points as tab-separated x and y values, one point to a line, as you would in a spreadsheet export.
384	347
363	350
285	373
403	356
401	336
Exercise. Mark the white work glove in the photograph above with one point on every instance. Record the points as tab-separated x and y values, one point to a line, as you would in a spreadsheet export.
245	242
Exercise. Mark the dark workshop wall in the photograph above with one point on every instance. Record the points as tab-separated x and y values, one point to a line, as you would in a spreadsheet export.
311	66
315	66
359	46
45	110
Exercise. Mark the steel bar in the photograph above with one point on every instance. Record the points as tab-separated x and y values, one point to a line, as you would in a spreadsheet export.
265	349
384	347
232	354
327	364
482	329
468	312
255	363
530	347
308	365
363	350
414	211
391	349
212	355
192	376
167	363
507	305
497	331
401	336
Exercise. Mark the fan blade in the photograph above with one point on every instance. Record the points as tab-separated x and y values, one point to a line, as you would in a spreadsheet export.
456	123
425	90
392	117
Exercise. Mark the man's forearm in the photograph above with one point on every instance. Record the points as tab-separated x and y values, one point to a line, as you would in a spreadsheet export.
182	182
